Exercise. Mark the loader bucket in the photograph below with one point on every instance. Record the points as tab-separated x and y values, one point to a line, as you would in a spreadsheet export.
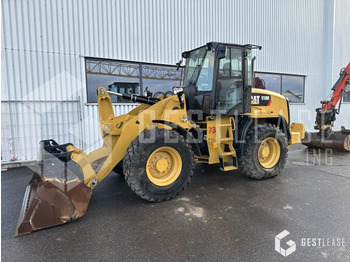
339	140
55	195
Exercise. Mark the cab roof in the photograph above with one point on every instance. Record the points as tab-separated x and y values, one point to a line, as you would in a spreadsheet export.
211	45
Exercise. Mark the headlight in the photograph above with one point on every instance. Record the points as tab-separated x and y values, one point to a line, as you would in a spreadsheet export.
177	90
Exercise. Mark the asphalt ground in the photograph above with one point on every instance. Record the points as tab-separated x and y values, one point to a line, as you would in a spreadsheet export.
221	216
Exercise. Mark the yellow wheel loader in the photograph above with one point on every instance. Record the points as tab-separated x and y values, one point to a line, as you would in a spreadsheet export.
216	117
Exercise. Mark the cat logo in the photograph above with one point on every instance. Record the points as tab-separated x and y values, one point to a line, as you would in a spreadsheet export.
261	100
255	100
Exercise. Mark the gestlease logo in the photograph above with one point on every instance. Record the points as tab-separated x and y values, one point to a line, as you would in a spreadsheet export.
290	243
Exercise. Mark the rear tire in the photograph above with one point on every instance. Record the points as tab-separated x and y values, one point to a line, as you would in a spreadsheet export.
257	162
159	170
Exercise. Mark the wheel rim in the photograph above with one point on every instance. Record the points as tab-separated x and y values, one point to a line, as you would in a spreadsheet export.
269	152
163	166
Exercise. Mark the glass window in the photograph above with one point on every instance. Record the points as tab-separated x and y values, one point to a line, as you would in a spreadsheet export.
346	97
236	62
249	73
112	75
271	82
230	81
128	77
205	79
160	78
123	88
231	65
290	86
193	62
224	67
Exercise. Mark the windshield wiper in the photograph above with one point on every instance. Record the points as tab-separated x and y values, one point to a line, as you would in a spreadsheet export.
194	73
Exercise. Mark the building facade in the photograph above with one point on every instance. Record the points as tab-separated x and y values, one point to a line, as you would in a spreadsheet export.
55	54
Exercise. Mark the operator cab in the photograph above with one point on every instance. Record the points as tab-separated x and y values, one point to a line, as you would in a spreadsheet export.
218	78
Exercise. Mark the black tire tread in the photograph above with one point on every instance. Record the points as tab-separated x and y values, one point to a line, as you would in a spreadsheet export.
245	159
136	151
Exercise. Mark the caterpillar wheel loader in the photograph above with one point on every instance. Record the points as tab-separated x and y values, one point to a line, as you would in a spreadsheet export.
216	117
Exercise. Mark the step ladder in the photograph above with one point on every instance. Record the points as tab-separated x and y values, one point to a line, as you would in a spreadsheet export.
224	139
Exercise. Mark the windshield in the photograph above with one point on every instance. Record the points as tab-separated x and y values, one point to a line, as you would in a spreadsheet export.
193	65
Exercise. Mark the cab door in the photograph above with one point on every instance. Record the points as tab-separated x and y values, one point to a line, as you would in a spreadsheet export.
232	91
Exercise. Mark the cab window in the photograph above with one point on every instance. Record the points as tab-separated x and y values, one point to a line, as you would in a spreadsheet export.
205	79
230	80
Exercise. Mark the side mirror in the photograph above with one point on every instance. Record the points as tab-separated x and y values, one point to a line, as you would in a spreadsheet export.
253	61
221	51
178	64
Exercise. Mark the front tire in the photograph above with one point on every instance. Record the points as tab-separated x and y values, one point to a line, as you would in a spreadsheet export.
265	152
159	170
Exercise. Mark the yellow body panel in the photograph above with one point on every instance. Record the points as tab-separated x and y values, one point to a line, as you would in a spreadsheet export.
297	133
278	106
212	141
